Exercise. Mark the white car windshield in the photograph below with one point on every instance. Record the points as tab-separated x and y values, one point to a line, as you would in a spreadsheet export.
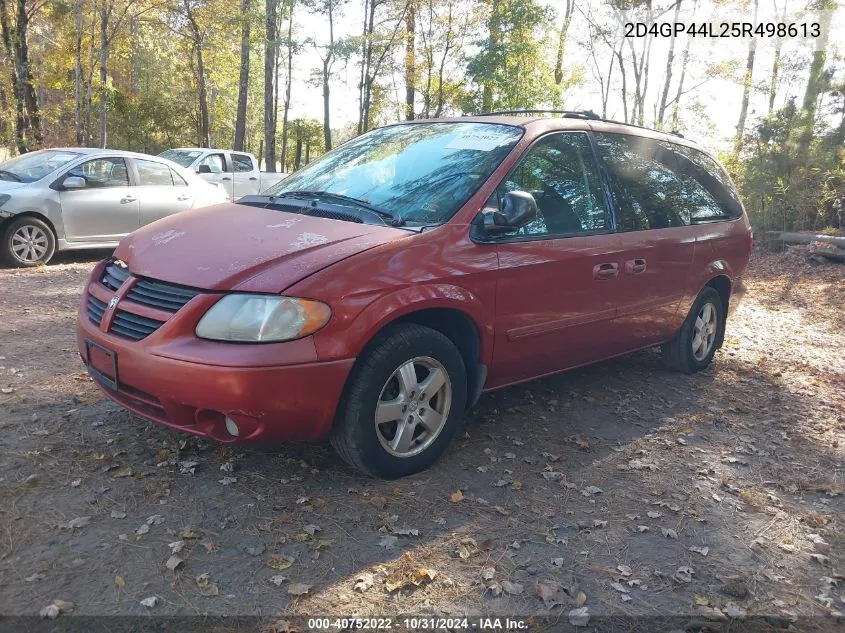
35	165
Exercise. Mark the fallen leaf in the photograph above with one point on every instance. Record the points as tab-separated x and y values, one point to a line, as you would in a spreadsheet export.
312	529
117	514
620	588
669	533
173	562
278	562
206	587
551	593
683	574
700	550
579	616
79	522
589	491
557	562
407	532
820	558
363	582
298	589
51	611
150	602
624	570
227	481
653	514
467	548
711	613
119	582
488	573
580	599
278	580
512	588
457	496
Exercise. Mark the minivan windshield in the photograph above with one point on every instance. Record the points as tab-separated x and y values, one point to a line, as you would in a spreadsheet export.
182	157
35	165
419	172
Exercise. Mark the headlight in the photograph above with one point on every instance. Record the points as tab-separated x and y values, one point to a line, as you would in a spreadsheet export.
262	318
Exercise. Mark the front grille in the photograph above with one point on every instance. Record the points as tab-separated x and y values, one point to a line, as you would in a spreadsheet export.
96	308
161	294
114	276
133	326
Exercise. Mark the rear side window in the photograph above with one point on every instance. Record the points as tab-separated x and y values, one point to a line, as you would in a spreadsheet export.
151	173
658	185
178	180
242	162
559	170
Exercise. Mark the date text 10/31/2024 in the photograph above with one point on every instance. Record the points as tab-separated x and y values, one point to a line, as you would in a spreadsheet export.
724	29
419	624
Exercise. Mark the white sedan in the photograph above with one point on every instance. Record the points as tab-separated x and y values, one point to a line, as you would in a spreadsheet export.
77	198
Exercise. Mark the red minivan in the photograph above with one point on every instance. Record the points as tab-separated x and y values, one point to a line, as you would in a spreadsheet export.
376	293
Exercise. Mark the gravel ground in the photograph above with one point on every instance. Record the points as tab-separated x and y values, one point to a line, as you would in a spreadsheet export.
623	487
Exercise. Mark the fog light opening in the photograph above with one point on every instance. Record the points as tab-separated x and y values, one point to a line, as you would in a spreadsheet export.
232	427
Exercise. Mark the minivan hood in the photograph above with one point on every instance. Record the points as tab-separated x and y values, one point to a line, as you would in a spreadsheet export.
239	247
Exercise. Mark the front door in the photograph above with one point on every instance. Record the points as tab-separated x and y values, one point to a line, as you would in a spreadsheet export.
220	171
161	192
106	209
558	276
245	175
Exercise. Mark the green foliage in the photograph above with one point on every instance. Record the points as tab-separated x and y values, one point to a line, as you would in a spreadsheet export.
785	185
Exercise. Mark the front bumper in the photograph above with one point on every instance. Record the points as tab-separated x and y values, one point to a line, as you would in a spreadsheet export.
199	383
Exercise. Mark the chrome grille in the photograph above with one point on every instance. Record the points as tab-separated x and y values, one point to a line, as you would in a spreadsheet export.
161	294
114	276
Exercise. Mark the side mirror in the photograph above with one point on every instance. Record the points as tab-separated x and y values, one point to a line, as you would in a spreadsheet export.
203	169
74	182
518	209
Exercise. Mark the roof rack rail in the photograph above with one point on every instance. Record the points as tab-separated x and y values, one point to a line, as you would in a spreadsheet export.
575	114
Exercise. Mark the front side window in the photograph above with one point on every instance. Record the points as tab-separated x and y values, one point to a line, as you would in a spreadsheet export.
102	172
215	162
560	172
242	162
35	165
151	173
423	172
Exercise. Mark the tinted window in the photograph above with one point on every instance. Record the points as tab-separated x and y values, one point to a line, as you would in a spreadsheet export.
153	173
560	172
182	157
102	172
242	162
657	185
424	172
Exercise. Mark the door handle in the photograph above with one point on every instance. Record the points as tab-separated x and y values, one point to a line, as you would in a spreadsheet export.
635	266
607	270
126	199
225	178
253	178
183	197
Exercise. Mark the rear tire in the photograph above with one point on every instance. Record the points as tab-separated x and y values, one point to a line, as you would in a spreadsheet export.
698	339
28	242
403	403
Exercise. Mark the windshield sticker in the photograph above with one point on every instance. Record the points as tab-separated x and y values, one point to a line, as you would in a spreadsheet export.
477	140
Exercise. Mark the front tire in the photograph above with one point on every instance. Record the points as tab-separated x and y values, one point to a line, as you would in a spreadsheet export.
403	404
698	339
28	242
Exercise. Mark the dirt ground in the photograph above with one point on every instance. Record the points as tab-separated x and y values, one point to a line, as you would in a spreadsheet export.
623	487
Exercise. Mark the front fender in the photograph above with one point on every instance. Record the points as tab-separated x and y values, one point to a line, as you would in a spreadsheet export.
348	334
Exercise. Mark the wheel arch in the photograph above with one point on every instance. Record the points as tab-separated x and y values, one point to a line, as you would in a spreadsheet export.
32	214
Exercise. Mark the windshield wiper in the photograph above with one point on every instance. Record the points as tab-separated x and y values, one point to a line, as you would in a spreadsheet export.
393	219
6	172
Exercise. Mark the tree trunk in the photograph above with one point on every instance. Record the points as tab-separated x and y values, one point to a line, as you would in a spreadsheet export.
27	114
327	68
288	83
773	85
670	60
493	37
105	12
561	44
270	55
198	37
621	62
89	82
746	85
816	77
243	80
77	73
684	61
410	59
806	238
